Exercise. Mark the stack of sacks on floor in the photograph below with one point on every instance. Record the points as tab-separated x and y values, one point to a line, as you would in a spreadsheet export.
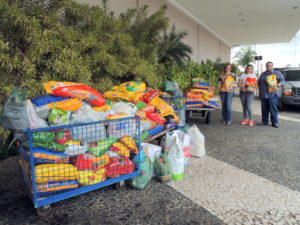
201	95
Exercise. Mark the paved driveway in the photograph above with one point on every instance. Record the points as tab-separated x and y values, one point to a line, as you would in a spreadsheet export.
249	176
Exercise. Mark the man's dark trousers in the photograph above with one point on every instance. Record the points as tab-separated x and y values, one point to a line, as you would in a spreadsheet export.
269	106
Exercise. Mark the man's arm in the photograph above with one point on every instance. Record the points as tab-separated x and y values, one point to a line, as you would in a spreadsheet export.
280	79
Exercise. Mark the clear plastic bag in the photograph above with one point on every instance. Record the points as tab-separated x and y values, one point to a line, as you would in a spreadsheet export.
13	115
197	142
33	119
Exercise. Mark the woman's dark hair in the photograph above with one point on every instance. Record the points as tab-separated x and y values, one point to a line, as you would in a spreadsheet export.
224	69
248	67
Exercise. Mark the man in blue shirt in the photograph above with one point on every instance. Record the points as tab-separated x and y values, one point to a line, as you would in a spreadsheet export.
269	99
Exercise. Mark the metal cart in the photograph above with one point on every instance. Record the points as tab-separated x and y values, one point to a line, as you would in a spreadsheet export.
178	104
54	165
200	113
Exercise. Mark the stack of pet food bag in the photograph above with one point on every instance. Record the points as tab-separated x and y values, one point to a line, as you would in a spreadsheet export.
201	95
88	154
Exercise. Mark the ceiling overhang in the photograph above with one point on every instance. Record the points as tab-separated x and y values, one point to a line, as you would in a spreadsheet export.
245	22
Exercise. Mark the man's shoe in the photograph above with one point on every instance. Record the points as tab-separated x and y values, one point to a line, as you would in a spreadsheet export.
275	125
262	124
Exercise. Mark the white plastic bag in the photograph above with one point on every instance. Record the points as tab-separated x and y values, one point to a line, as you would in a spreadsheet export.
128	108
176	158
121	128
87	133
197	142
86	114
185	142
152	150
170	141
73	149
34	121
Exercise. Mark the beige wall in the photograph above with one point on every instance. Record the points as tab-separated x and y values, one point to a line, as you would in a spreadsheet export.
204	44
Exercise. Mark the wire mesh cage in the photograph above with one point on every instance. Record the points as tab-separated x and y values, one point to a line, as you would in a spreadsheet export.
63	161
178	104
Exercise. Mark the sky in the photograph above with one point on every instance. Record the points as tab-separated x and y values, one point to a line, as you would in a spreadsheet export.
281	54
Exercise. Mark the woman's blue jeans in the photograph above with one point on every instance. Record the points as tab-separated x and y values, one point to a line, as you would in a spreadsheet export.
226	98
247	99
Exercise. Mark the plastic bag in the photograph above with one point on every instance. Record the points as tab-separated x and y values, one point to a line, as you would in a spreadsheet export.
76	149
141	181
185	142
13	115
33	119
153	151
55	172
227	84
170	141
72	104
121	149
41	155
176	158
122	107
102	146
53	187
197	142
89	177
58	117
134	86
150	94
130	143
272	83
87	133
162	168
76	90
122	128
86	114
91	162
43	136
118	166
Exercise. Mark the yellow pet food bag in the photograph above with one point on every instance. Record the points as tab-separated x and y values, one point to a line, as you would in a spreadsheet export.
45	173
272	83
89	177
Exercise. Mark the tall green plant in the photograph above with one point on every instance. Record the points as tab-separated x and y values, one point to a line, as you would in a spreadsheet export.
172	48
245	56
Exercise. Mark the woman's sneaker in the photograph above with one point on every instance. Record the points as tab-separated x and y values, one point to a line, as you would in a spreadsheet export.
251	123
245	122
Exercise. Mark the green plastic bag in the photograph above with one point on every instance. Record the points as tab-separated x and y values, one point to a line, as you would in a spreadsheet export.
51	146
144	135
13	115
58	116
102	146
141	181
43	137
163	169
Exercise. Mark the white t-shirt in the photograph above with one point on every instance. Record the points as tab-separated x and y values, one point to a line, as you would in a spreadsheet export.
244	77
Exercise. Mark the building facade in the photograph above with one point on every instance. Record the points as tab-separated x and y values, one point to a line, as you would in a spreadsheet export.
204	43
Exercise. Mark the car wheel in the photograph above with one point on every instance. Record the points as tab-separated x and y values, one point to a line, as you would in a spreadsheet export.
281	105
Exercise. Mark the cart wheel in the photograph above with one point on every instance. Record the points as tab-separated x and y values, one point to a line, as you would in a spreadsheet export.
44	210
208	117
120	185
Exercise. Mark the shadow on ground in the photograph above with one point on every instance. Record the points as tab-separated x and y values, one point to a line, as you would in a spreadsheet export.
157	204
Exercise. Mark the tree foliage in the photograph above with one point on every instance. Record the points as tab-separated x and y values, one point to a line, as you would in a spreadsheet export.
65	40
183	73
245	56
172	49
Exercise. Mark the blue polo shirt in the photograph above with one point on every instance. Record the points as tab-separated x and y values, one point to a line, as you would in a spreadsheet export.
263	85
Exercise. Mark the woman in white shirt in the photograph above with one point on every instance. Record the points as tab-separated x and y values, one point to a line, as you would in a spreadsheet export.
247	84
